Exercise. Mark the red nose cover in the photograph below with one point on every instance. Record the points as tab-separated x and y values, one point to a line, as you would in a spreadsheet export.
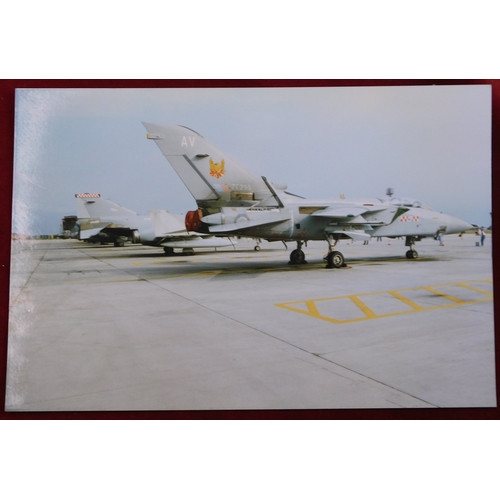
193	220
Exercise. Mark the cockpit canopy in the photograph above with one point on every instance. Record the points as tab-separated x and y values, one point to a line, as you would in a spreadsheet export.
409	203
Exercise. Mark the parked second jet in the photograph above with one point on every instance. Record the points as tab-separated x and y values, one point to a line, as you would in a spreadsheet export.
233	202
109	222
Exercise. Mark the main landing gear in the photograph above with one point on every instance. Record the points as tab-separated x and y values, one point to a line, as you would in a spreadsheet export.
334	259
412	253
298	256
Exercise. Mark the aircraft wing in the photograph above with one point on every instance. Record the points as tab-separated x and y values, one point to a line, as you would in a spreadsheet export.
361	214
353	220
343	212
359	235
245	223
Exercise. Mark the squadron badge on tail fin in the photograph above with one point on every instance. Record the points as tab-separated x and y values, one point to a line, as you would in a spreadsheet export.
217	169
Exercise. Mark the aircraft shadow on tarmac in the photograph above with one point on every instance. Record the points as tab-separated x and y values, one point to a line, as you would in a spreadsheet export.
248	268
162	255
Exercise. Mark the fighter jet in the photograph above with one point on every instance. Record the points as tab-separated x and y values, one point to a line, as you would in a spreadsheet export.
105	221
234	202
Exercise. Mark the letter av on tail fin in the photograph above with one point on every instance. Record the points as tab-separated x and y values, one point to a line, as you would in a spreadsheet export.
214	179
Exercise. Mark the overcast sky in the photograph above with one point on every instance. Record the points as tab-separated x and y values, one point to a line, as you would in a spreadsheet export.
432	143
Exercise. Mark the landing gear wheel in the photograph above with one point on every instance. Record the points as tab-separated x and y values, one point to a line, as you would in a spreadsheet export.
168	250
297	257
334	260
411	254
256	248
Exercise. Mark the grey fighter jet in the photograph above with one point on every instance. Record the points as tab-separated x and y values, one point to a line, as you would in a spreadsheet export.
105	221
233	202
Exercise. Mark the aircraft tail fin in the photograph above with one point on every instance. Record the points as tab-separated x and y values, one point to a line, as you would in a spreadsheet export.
214	179
81	209
95	207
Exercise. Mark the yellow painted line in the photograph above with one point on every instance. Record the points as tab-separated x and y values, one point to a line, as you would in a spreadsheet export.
311	307
475	289
407	301
312	310
443	294
369	313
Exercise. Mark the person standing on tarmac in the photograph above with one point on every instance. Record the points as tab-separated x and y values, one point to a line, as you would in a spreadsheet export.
482	235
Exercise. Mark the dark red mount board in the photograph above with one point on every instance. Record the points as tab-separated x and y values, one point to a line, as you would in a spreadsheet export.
7	94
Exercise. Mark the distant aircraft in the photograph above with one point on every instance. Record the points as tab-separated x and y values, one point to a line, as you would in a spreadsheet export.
69	227
105	221
233	202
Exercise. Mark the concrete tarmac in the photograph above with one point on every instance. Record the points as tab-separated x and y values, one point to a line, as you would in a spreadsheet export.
101	328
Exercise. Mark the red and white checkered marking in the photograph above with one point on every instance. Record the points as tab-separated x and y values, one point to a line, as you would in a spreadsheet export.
406	218
87	195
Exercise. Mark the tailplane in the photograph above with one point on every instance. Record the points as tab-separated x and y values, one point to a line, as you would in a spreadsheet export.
164	223
214	179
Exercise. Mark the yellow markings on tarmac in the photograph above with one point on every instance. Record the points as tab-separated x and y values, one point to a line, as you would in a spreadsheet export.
375	305
403	299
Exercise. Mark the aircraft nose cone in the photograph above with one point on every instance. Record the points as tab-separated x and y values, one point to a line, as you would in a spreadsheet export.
458	226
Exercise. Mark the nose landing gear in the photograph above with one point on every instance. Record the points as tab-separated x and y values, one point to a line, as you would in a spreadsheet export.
412	253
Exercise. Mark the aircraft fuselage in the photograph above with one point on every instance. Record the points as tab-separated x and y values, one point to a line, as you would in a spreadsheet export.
296	221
